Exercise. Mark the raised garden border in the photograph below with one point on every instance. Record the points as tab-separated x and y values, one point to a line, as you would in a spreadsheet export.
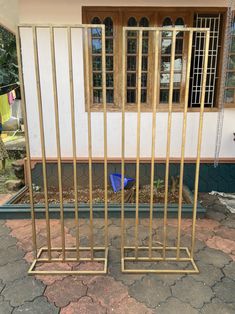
12	210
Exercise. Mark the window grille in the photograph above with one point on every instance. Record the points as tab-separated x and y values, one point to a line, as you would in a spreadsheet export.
212	22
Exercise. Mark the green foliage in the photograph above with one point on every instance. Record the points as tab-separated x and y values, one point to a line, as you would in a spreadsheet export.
8	58
158	184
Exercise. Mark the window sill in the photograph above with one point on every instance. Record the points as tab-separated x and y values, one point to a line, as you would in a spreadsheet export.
147	108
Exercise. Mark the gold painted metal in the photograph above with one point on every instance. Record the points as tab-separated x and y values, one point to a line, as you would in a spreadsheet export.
139	72
123	141
140	256
206	53
27	144
155	251
57	127
49	254
86	50
105	137
155	101
72	109
187	80
168	140
42	136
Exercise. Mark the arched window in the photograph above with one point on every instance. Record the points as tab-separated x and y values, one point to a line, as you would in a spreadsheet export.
132	22
144	22
97	60
132	52
166	61
167	22
179	22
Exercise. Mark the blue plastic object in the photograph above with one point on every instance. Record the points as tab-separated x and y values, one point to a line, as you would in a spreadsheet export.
116	181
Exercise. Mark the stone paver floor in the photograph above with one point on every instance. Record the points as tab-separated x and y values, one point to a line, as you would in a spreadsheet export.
211	291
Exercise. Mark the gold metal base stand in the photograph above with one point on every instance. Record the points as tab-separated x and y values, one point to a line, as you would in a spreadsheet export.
157	258
39	261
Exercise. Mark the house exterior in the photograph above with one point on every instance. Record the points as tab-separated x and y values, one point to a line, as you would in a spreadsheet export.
114	15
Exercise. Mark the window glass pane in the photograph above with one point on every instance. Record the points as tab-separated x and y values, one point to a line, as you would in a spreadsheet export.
167	23
109	45
97	79
143	95
109	79
176	95
231	62
97	96
233	44
164	95
229	96
131	63
108	26
131	79
145	45
144	79
131	45
109	96
131	96
165	80
230	81
97	63
96	32
179	22
109	63
166	63
144	22
144	63
96	46
179	46
166	46
233	27
132	22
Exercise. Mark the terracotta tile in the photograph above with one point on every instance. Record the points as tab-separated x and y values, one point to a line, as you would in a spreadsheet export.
225	245
84	306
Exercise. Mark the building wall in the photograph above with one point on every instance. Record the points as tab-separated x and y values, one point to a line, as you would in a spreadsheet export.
62	11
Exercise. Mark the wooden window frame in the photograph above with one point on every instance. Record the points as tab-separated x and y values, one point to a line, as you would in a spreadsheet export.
230	53
156	16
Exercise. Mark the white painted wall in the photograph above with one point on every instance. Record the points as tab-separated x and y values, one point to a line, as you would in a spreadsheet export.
70	11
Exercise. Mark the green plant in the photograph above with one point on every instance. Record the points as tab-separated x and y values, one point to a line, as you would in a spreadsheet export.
8	58
158	184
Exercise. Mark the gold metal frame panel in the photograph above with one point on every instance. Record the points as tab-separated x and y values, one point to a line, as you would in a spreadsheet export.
163	249
77	249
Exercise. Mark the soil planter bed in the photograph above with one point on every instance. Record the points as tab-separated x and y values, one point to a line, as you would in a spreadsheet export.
19	206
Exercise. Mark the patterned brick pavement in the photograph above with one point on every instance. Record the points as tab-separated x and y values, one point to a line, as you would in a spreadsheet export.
211	291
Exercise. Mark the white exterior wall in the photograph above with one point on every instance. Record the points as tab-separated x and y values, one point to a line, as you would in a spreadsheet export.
62	11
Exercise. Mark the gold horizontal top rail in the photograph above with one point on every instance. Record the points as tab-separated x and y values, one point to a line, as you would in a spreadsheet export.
168	29
102	26
125	28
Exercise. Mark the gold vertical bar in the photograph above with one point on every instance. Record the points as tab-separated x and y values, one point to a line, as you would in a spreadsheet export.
29	175
105	136
42	136
72	109
138	139
87	73
168	140
207	40
155	100
57	128
123	140
181	180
